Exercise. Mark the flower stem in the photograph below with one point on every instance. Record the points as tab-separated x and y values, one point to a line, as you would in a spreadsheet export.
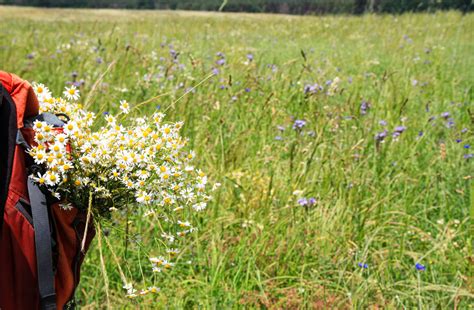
89	210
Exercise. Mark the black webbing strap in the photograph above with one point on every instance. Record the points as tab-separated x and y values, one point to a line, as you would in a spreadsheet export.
44	256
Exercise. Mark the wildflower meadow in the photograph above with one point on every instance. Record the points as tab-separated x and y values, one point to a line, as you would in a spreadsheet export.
326	161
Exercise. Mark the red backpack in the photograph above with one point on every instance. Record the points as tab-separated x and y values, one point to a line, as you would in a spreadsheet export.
40	243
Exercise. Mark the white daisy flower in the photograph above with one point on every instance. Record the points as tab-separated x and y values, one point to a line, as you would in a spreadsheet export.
124	106
71	93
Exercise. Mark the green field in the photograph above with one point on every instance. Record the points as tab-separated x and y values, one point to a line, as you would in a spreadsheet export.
389	204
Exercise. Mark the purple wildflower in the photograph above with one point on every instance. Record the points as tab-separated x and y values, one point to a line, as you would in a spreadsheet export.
364	107
215	71
312	201
281	128
312	89
420	133
363	265
467	146
99	60
464	130
220	62
30	56
250	57
247	90
382	123
445	115
299	124
173	53
278	138
78	83
468	156
398	131
379	137
303	202
458	140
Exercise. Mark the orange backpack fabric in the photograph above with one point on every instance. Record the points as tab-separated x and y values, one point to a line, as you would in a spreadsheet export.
19	288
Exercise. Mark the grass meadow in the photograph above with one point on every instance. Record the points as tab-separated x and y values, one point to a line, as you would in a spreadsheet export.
343	146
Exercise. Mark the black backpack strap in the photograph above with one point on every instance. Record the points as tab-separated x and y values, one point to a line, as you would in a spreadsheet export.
8	132
44	256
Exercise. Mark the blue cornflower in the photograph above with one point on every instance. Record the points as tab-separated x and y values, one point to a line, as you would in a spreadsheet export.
363	265
99	60
299	124
467	146
420	267
312	201
106	113
420	133
220	62
247	90
458	140
450	123
249	57
468	156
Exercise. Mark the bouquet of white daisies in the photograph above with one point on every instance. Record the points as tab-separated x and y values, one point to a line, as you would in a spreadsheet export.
140	163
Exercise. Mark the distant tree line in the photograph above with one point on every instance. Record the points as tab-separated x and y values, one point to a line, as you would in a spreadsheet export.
272	6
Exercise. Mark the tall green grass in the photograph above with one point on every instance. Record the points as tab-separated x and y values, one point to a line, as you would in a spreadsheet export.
389	205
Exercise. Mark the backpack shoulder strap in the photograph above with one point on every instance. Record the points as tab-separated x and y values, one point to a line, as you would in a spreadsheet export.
44	255
8	133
